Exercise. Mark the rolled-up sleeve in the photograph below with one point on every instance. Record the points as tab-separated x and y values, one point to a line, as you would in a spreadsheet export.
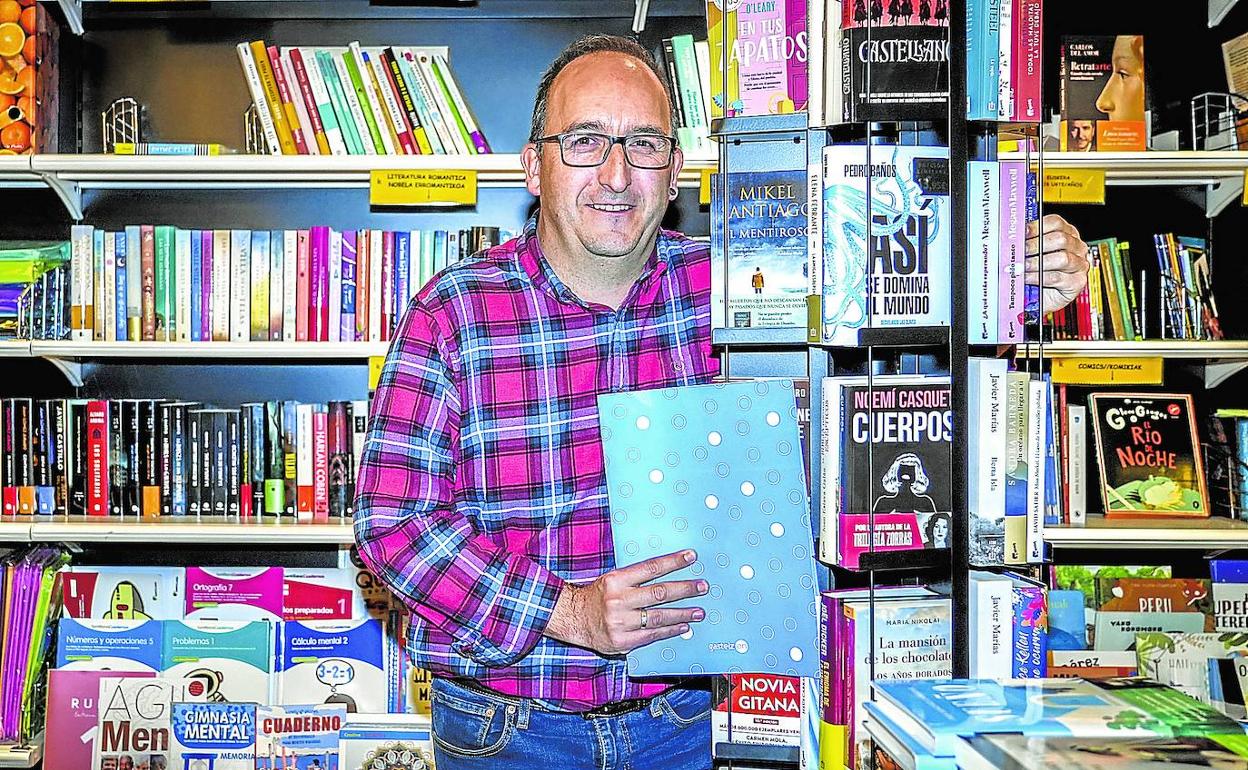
408	526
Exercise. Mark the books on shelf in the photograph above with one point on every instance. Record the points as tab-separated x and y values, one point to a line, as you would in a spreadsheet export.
1003	40
758	57
1002	199
35	283
309	285
359	100
1022	752
1103	93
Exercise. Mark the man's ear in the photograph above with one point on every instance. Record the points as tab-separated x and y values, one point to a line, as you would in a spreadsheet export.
532	163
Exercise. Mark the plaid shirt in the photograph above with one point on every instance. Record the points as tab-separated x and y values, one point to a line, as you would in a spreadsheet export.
482	486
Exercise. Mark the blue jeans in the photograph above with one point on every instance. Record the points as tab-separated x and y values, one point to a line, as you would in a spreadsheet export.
474	730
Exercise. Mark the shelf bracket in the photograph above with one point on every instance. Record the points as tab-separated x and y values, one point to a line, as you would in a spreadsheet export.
1220	195
73	14
1218	372
1218	9
69	367
70	194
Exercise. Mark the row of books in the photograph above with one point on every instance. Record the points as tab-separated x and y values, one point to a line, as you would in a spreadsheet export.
31	601
33	275
167	284
146	457
687	62
1003	60
1003	197
358	100
1123	301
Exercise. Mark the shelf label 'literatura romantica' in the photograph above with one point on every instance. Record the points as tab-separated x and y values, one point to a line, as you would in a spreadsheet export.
422	187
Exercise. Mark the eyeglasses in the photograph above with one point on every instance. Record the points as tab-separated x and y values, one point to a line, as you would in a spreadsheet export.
585	149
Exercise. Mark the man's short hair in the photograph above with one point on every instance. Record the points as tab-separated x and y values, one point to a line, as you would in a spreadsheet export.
583	47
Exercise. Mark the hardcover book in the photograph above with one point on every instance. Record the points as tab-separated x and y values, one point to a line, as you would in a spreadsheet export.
1103	94
718	469
1148	454
895	60
886	265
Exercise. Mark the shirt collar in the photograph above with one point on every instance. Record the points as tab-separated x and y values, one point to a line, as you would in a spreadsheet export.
535	265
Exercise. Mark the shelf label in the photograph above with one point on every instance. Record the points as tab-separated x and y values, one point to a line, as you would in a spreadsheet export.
374	371
1107	371
704	187
1074	185
422	187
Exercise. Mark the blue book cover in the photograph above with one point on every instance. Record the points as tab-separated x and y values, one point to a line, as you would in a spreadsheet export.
109	645
197	285
439	251
221	736
1241	453
121	254
983	41
887	267
889	737
402	263
348	285
1068	622
718	469
1031	652
233	658
298	737
333	661
1229	570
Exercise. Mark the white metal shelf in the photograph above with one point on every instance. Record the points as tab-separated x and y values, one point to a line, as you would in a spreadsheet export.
1152	167
275	351
12	755
1200	534
171	529
1204	350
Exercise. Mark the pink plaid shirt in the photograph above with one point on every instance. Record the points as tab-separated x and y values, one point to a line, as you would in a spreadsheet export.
482	486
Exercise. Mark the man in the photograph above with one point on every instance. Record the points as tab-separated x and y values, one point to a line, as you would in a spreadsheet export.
1081	135
482	498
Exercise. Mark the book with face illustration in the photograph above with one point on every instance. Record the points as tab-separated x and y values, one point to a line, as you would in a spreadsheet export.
1103	93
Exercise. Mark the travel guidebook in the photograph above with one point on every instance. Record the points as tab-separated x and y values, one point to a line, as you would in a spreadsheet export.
1148	453
882	257
718	469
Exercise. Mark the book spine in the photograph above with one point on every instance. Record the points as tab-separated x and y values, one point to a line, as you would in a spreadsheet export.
990	615
196	286
97	286
61	465
1029	57
687	93
338	446
360	112
1012	231
984	245
1005	59
238	429
411	80
334	298
357	77
259	97
205	285
181	289
1016	468
181	461
44	455
318	310
472	127
446	118
1077	463
240	288
403	94
220	463
277	251
110	287
308	101
97	458
376	249
286	100
268	82
257	458
395	115
8	457
1030	634
194	465
121	265
81	238
359	432
387	283
362	270
307	68
282	64
377	99
290	285
258	330
320	464
829	474
431	110
221	252
338	99
164	259
347	331
274	473
986	460
290	455
983	20
402	268
304	461
303	291
1037	405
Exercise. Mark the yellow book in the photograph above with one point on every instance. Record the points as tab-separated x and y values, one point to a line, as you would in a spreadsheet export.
269	83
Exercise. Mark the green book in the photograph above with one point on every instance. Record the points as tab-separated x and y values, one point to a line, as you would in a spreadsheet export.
164	279
460	127
329	73
1115	260
357	82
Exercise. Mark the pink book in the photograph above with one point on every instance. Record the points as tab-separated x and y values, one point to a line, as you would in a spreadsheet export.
72	716
1013	208
205	284
387	283
1027	58
305	90
303	288
283	91
318	307
320	465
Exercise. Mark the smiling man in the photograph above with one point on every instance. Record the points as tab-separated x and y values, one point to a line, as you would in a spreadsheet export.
482	496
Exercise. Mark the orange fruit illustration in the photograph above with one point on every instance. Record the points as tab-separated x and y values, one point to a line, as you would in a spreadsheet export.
27	106
26	79
28	49
6	101
25	3
8	82
10	11
12	38
15	137
28	20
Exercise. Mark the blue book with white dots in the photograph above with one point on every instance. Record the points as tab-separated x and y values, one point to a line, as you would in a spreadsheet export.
718	468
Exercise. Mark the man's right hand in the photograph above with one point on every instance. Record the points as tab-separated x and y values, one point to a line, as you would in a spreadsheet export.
606	615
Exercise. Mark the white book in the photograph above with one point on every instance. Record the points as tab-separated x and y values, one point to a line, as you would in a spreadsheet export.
984	245
374	98
182	285
134	283
389	99
258	325
221	286
407	68
81	288
252	76
1037	406
814	61
296	97
335	286
110	287
374	286
290	284
359	431
324	105
992	623
460	103
833	66
303	451
240	286
353	101
277	275
452	250
446	115
814	232
1005	49
435	125
1077	462
414	282
986	460
702	57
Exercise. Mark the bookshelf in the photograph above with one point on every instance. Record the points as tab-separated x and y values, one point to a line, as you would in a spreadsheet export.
1215	533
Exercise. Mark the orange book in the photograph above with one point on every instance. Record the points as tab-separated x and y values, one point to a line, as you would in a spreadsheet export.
268	81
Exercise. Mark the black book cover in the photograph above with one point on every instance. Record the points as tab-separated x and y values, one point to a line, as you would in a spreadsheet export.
178	463
8	456
194	460
236	462
241	467
60	453
274	474
22	447
132	413
290	444
78	454
341	489
220	463
151	425
894	71
164	459
256	457
117	470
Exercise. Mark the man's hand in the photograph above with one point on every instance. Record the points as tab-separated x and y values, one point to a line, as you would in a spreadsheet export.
1065	262
606	615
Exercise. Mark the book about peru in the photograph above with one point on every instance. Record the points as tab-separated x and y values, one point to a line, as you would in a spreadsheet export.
758	56
1103	94
1148	454
883	259
763	281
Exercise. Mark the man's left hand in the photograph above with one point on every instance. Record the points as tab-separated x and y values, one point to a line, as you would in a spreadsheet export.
1065	262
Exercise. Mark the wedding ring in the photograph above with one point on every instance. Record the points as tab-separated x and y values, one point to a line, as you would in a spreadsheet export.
645	618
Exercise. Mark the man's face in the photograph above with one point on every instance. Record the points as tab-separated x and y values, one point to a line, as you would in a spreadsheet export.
1081	133
612	210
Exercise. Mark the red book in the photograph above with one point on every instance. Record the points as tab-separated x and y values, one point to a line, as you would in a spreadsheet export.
72	715
8	463
309	101
288	102
97	458
387	282
320	464
303	287
147	246
305	461
362	254
318	315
